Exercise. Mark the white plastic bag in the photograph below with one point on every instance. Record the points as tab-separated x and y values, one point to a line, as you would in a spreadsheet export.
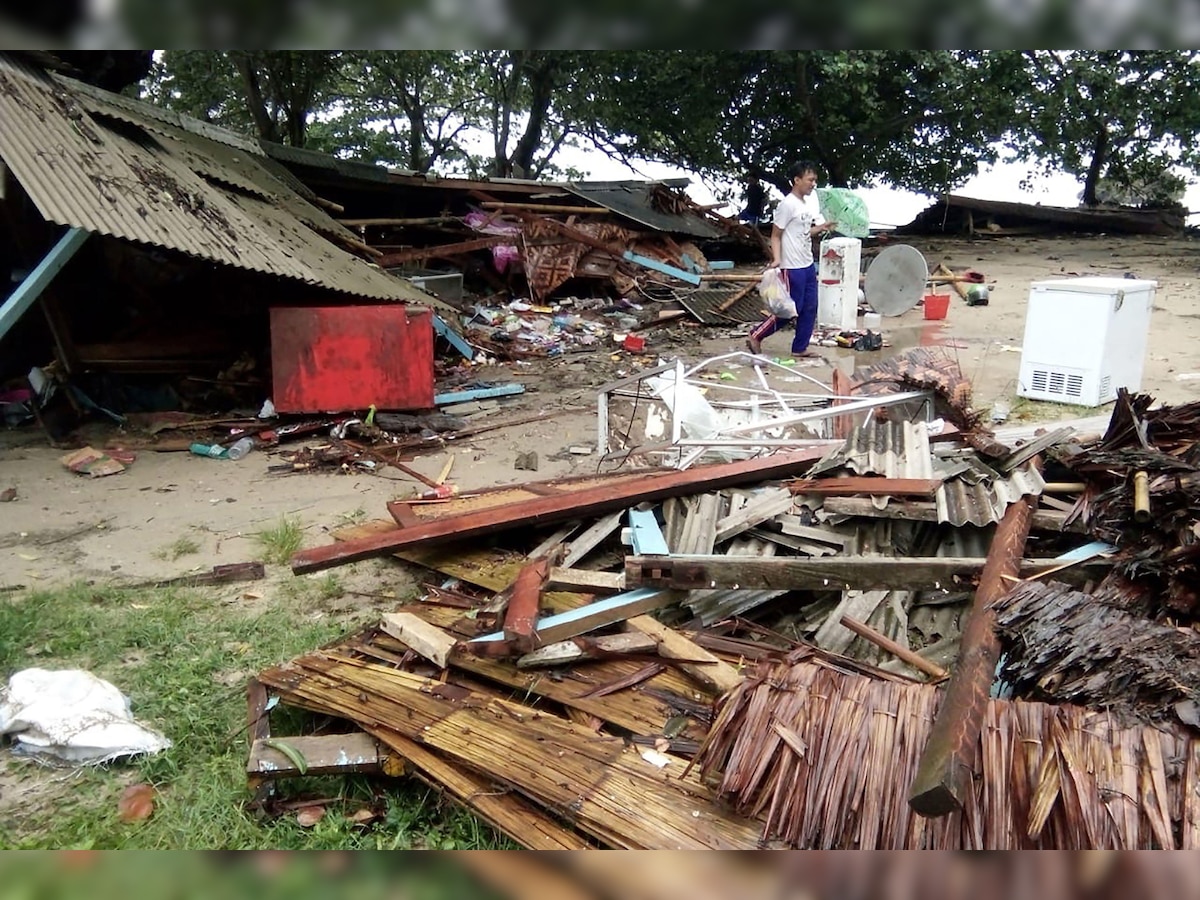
773	288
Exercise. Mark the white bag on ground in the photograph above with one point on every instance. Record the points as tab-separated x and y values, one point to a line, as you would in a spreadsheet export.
773	288
71	716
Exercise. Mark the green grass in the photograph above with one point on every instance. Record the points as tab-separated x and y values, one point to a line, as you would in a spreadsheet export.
174	653
183	546
279	542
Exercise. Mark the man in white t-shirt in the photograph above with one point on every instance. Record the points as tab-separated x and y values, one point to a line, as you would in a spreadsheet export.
791	251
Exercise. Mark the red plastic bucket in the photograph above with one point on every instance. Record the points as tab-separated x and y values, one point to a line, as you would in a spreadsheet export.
936	305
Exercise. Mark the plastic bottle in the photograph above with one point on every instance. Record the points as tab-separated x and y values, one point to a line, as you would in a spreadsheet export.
215	451
240	448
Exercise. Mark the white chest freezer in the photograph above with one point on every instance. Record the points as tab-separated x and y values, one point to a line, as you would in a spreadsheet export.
837	282
1084	338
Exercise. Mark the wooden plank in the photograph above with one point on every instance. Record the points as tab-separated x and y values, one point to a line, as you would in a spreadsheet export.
586	580
866	484
645	536
916	511
579	548
715	674
584	648
659	266
325	754
829	573
767	506
422	638
543	510
792	525
520	618
594	615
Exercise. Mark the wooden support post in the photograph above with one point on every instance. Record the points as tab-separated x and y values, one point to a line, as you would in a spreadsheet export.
945	771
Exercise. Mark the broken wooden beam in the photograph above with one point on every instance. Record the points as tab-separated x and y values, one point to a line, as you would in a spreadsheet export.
585	580
568	505
827	573
578	649
389	260
424	639
944	774
918	511
713	672
226	573
520	618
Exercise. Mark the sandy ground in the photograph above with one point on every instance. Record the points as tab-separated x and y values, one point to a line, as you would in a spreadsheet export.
63	527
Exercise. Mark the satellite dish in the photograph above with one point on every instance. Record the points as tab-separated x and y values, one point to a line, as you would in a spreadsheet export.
896	279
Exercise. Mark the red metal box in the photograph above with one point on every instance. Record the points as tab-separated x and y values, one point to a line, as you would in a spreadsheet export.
345	358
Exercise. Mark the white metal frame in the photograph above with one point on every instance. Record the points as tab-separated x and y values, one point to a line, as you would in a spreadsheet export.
758	401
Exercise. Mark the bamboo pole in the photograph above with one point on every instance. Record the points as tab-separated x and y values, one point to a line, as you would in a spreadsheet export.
866	632
944	774
1141	497
943	269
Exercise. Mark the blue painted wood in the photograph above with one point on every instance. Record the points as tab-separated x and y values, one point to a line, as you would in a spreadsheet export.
689	277
572	615
37	280
503	390
717	264
646	536
454	338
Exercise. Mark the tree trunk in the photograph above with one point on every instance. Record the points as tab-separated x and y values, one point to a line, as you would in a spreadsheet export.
541	84
1096	167
255	103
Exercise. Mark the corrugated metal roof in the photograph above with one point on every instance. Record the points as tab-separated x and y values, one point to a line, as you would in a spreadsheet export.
351	168
97	165
631	199
971	493
704	304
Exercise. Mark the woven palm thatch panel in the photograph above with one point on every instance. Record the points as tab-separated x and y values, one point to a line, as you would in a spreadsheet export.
827	758
551	259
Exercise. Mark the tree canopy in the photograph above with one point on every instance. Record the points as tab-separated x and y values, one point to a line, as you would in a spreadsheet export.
924	120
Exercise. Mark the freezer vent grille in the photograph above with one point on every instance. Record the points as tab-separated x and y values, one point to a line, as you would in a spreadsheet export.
1045	381
1105	387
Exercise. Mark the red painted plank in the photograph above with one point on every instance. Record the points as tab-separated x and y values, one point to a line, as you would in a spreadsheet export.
338	358
576	504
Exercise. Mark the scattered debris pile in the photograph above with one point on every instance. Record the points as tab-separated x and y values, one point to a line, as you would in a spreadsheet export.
757	658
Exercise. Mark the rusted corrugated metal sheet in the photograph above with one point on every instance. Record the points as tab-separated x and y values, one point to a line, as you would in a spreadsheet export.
971	492
97	167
